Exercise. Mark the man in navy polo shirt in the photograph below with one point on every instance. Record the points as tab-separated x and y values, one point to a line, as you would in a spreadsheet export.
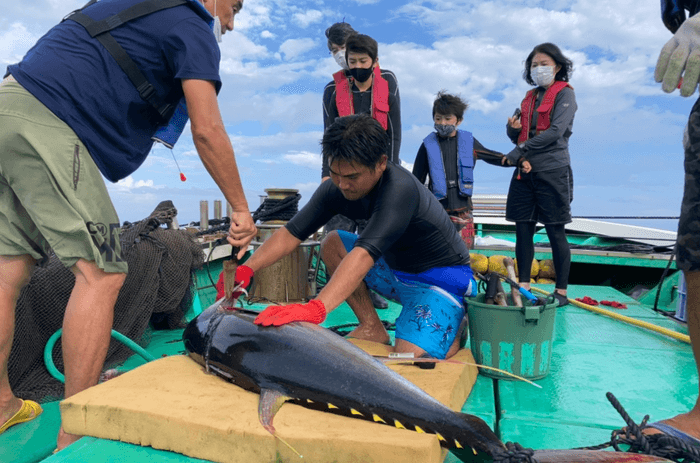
87	100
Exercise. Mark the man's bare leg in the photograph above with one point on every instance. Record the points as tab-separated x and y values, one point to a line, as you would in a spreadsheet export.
689	422
86	330
370	327
407	347
15	272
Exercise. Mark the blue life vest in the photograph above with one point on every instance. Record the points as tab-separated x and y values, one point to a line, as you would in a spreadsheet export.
465	164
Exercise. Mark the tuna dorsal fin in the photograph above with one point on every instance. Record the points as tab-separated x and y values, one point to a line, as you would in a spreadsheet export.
270	403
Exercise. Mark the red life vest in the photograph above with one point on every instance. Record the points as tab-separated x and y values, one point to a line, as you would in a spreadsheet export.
380	97
544	111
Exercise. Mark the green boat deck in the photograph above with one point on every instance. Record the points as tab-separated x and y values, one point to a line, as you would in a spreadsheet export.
592	354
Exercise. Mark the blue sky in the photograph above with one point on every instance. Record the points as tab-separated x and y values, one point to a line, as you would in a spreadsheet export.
626	148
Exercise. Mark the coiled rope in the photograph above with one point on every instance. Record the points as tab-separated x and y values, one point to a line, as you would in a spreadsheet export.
277	209
514	453
659	445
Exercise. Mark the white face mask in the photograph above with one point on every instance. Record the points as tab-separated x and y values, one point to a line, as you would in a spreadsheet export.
216	28
339	57
543	76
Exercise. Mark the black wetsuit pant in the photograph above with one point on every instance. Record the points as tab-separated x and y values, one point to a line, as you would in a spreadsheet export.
525	251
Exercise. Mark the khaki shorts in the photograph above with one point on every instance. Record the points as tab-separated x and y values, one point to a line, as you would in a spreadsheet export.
52	195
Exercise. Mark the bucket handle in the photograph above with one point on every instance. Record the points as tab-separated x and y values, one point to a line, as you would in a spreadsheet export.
532	314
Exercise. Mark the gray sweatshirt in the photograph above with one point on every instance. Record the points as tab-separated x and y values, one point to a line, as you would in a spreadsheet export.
550	149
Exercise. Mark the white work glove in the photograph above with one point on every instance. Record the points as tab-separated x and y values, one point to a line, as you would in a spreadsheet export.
679	53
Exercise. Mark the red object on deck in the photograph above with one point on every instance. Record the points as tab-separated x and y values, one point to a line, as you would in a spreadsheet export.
614	304
587	300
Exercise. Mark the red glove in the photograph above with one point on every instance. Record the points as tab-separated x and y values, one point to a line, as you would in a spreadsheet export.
243	276
313	311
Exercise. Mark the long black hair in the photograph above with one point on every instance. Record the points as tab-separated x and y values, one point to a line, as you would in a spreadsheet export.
567	67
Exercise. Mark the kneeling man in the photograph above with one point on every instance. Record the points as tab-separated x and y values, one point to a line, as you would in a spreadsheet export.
409	251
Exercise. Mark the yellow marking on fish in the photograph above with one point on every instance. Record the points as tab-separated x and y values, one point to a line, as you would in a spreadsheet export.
398	424
377	418
458	445
419	430
474	450
439	436
355	412
331	406
309	401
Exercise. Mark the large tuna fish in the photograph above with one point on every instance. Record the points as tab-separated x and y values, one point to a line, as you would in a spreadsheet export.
316	368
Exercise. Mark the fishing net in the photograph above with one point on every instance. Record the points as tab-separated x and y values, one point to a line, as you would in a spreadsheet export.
158	289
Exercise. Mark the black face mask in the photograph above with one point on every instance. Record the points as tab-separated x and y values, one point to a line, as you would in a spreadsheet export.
361	75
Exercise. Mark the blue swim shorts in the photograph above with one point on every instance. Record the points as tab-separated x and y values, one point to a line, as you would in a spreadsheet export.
432	300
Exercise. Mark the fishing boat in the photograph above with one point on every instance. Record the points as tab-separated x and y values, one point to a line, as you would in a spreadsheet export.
639	353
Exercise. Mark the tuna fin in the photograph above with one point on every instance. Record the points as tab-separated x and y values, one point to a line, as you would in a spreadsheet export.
270	403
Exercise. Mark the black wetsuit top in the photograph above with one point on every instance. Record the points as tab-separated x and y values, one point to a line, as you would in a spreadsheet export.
406	223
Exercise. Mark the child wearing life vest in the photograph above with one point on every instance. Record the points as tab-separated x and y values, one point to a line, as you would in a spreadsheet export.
364	88
448	156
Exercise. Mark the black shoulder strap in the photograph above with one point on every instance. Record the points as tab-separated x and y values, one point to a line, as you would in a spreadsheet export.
100	31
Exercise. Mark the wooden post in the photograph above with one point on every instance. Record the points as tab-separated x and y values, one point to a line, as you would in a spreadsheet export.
203	215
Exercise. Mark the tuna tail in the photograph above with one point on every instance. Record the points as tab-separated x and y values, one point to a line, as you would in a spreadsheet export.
474	437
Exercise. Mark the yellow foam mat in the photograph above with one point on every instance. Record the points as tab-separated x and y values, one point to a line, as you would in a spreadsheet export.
172	404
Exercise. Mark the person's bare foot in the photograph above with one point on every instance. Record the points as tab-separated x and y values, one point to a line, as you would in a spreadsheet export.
64	439
688	423
371	333
8	411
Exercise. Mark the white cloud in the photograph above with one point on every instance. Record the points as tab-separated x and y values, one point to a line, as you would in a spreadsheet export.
307	18
267	35
128	184
293	48
14	42
236	46
306	189
304	158
300	145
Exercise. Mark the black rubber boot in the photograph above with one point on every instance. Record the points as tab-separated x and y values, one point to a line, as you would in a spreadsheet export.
561	299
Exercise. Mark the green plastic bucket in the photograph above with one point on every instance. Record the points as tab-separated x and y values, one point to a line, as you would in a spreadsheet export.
514	339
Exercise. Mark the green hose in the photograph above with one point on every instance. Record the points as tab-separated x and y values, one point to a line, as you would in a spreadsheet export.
48	359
